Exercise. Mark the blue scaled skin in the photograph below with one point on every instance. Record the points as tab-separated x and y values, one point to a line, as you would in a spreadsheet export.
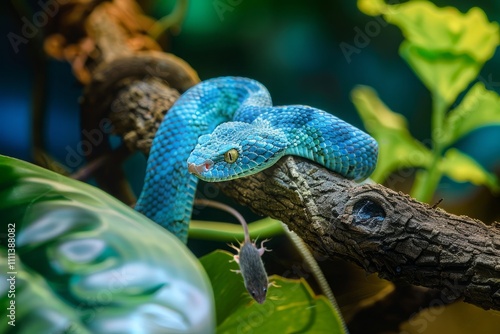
262	135
256	136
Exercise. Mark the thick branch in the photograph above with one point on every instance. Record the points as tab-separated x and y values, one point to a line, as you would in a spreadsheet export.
379	229
125	73
375	227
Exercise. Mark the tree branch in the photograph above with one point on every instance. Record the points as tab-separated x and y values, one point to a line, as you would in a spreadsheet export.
125	72
375	227
379	229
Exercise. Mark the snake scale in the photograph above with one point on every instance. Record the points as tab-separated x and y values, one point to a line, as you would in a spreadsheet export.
227	127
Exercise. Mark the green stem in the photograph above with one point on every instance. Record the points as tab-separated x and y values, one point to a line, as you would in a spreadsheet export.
263	228
427	180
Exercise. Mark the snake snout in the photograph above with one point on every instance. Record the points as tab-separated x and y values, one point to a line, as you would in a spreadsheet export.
198	169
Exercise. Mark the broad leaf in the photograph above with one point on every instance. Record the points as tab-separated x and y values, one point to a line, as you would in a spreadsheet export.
480	107
445	47
372	7
36	308
290	308
86	261
444	74
462	168
397	147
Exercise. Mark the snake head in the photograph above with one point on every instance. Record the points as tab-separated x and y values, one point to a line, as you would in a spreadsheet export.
236	149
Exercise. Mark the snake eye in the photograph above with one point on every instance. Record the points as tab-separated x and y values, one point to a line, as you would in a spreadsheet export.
231	156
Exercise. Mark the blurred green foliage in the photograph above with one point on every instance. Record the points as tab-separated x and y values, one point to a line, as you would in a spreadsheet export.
293	48
446	49
87	263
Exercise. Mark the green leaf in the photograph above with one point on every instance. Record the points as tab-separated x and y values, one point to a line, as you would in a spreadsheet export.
462	168
445	47
290	308
34	300
446	29
444	74
397	147
94	264
480	107
372	7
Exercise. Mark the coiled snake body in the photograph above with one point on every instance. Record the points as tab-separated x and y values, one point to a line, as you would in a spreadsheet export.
235	131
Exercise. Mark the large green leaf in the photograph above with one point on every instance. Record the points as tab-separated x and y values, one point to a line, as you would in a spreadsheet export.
462	168
445	47
87	262
36	308
480	107
444	74
397	147
290	308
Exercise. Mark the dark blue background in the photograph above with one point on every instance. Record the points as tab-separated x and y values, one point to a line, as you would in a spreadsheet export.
290	46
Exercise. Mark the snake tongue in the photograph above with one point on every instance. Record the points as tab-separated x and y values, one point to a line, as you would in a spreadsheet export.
198	169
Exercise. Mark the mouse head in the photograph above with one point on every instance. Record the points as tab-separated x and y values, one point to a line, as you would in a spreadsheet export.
257	289
236	149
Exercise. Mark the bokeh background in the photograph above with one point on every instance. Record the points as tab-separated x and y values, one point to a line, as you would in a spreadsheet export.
291	46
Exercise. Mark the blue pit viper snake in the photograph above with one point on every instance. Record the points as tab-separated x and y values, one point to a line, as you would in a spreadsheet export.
227	127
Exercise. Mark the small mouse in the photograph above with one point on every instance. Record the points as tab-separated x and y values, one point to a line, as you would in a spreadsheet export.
251	267
248	257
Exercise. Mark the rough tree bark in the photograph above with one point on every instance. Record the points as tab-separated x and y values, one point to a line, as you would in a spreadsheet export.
375	227
379	229
122	69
